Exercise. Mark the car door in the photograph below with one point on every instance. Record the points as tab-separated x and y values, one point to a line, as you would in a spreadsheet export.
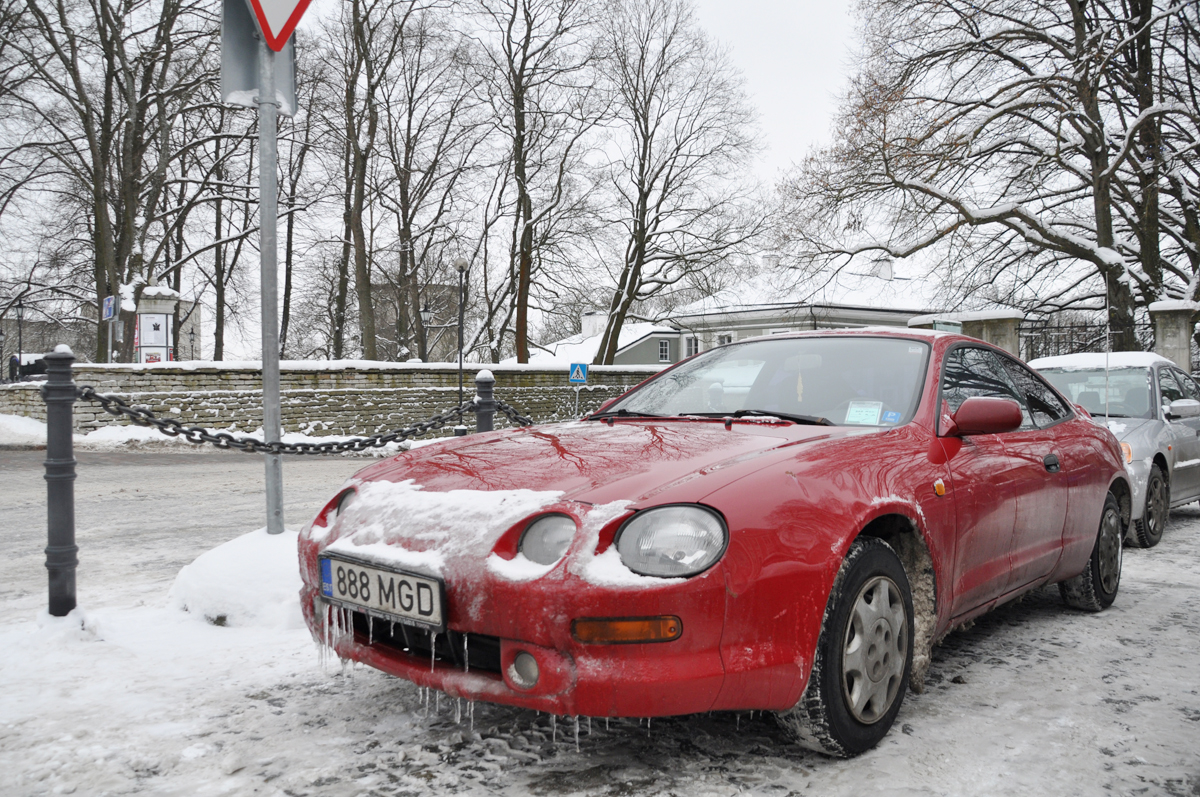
1043	483
1187	460
985	481
1185	448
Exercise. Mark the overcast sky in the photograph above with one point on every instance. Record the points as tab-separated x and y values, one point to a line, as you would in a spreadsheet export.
795	56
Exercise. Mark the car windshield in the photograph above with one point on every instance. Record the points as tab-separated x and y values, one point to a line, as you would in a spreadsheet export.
1128	390
856	381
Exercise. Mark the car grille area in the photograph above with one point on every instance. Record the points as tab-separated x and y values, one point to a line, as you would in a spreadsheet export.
464	651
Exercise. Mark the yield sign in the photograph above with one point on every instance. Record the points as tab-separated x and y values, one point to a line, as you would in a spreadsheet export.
277	19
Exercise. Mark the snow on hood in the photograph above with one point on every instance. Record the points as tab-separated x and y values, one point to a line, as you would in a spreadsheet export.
403	524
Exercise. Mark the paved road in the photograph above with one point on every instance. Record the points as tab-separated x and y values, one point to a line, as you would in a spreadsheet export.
142	515
1033	699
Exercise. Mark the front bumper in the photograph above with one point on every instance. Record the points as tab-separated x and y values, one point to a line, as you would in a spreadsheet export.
683	676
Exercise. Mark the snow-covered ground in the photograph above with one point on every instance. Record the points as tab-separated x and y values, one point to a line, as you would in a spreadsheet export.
135	695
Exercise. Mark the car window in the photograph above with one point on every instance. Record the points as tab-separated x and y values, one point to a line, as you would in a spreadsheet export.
970	372
1044	404
1117	393
1190	389
1167	387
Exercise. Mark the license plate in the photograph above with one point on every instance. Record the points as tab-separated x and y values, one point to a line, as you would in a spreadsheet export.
391	594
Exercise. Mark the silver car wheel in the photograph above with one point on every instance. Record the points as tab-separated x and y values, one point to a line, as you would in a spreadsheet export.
1109	546
875	649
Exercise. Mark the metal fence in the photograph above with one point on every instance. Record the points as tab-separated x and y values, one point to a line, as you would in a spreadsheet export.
1050	337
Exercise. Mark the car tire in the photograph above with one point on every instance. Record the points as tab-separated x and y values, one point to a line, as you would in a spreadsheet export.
863	658
1148	529
1096	587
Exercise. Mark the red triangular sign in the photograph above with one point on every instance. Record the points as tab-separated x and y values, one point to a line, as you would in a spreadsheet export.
277	19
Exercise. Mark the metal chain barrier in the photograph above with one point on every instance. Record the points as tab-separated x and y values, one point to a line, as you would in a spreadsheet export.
194	434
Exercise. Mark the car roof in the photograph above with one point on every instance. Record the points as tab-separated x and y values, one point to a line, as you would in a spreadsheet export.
1101	360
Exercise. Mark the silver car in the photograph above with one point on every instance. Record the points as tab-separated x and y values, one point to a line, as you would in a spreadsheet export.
1153	409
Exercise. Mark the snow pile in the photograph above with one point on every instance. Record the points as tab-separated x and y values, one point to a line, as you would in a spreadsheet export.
253	580
17	430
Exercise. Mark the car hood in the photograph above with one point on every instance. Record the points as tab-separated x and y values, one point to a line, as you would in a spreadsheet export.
1124	428
595	463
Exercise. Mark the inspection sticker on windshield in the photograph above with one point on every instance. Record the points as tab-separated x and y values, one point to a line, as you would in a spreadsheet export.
891	416
864	412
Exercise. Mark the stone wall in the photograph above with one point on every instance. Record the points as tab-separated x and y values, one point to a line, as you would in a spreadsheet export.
344	398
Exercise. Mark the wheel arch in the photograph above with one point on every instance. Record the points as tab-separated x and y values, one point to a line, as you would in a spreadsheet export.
1124	494
904	535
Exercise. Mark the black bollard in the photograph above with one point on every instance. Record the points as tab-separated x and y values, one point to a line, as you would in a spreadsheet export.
485	405
59	395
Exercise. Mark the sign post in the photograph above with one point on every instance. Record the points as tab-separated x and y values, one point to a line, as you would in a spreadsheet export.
108	313
577	376
276	21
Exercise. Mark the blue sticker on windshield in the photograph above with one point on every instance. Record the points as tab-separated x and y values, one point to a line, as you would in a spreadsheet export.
891	417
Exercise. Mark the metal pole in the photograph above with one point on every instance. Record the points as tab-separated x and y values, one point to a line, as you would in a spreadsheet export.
20	338
61	560
462	267
108	358
269	279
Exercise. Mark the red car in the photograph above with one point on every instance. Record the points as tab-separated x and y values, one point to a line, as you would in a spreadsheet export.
784	523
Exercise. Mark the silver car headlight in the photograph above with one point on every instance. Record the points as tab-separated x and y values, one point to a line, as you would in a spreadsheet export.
547	539
672	541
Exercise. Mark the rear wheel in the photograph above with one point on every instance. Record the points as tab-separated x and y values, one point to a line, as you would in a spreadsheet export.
1096	587
1148	529
863	657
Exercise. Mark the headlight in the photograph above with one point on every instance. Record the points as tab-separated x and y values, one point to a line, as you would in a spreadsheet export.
672	541
1127	450
547	539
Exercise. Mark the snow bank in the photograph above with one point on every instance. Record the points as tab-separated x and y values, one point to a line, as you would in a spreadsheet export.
253	580
17	430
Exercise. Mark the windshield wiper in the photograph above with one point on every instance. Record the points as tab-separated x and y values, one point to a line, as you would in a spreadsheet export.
811	420
624	413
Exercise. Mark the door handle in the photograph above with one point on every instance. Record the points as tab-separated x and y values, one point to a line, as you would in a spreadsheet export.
1051	463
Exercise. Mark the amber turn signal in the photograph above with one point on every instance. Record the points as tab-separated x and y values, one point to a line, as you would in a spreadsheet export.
626	630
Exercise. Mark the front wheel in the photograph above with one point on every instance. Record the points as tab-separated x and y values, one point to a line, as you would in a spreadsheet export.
863	657
1096	587
1148	529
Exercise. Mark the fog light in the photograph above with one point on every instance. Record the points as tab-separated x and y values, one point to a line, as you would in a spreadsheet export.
615	631
524	671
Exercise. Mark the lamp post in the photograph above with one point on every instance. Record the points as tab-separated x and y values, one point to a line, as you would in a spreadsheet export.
462	269
2	363
192	342
20	337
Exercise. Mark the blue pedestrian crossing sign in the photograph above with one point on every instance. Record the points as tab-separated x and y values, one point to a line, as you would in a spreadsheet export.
109	308
578	374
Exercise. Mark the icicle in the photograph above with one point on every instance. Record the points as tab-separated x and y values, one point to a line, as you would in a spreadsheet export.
457	711
466	655
606	723
370	630
589	726
438	704
577	733
554	729
432	650
471	713
738	725
648	726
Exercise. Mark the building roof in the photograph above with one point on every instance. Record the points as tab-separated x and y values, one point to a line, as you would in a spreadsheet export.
848	287
582	348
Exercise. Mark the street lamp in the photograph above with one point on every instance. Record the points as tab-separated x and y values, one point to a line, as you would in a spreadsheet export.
20	336
2	351
192	341
462	264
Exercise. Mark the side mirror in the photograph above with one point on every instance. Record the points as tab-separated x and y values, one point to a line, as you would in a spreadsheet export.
985	415
1184	408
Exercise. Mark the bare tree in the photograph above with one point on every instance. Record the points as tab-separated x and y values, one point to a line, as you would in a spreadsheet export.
1003	133
684	136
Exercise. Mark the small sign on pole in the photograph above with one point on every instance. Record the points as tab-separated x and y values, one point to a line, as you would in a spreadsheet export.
578	375
239	61
109	309
277	19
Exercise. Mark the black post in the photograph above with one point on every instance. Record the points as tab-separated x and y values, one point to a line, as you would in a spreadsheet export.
485	406
59	395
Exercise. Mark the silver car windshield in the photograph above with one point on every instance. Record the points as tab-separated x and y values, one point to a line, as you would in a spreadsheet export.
854	381
1129	390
